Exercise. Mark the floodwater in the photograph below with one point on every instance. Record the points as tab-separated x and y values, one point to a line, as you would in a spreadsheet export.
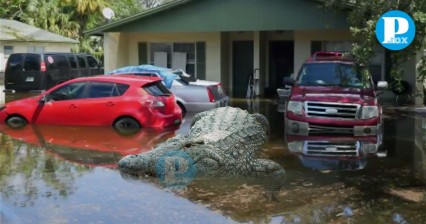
56	174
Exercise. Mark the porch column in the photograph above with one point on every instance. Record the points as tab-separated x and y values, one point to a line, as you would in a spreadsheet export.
256	60
116	51
302	49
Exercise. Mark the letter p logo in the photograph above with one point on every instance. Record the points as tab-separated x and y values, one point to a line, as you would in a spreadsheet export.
395	30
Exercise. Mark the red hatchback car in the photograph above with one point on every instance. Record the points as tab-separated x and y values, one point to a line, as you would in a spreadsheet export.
125	102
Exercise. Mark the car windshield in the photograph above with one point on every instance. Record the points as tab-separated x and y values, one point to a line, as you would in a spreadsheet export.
330	74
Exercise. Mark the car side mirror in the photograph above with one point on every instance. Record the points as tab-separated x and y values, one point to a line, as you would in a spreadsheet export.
289	81
382	85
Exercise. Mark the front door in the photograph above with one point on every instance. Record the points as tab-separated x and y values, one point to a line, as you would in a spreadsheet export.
281	62
242	57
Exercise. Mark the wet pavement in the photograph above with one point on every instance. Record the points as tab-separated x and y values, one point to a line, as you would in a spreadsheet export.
57	174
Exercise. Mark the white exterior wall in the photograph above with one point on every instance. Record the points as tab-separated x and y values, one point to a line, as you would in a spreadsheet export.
21	47
303	38
121	49
116	51
212	40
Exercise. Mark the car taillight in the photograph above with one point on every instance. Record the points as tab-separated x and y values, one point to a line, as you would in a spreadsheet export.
154	103
211	97
43	66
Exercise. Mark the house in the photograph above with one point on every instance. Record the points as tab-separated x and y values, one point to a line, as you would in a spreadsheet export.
17	37
230	40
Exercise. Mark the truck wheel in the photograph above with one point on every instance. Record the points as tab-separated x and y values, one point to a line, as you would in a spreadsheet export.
16	122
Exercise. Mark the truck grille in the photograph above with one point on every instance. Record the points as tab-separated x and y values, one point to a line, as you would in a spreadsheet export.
325	148
332	110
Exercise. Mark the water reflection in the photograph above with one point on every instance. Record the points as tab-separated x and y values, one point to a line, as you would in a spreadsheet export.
66	183
335	152
93	146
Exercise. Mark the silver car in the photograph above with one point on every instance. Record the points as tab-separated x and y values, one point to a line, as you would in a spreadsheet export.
191	95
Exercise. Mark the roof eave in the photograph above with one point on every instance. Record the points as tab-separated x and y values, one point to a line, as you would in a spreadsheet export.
101	29
42	41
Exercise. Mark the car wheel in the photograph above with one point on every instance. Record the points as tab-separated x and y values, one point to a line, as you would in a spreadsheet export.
182	108
16	122
127	125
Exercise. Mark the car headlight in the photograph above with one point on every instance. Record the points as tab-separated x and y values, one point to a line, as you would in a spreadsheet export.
295	107
296	146
369	112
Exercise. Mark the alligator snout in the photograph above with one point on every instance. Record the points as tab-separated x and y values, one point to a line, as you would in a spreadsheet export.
134	164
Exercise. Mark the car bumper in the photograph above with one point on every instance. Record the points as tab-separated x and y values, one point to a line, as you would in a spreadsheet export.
304	128
203	106
156	119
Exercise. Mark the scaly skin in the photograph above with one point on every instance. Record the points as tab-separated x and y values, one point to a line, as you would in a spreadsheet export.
222	142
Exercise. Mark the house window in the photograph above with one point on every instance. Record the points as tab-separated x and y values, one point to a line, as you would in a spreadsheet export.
340	46
174	55
35	49
8	50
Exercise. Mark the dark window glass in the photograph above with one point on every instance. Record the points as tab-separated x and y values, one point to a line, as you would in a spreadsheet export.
81	62
121	88
56	62
15	62
93	63
32	62
69	92
8	50
330	74
157	89
73	62
101	89
61	62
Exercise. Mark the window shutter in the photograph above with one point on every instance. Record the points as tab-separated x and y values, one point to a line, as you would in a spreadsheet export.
201	60
143	54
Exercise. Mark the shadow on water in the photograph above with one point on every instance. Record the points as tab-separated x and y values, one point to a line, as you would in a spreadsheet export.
52	174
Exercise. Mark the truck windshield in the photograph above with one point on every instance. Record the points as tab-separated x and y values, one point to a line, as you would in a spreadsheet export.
331	74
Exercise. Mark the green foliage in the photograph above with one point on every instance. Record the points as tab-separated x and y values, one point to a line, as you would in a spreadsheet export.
69	18
363	15
11	9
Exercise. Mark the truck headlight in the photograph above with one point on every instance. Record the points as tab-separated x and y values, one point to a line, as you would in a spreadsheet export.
296	146
369	112
295	107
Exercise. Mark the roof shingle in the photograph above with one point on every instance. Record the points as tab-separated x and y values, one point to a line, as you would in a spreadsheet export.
13	30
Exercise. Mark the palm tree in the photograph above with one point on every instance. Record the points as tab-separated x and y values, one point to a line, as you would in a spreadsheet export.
48	15
84	10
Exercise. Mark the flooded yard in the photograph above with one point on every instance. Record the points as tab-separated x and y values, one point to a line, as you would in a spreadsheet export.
57	174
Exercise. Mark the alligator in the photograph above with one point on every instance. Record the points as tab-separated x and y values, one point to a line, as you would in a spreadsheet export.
223	142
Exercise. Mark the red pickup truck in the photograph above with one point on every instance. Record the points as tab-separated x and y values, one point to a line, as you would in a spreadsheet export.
331	95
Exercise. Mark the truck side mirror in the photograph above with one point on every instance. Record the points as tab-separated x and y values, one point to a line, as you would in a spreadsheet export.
289	81
381	85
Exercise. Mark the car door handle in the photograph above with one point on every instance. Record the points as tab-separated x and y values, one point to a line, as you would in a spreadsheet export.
110	104
72	106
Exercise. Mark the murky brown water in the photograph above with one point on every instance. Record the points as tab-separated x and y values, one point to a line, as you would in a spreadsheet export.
56	174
